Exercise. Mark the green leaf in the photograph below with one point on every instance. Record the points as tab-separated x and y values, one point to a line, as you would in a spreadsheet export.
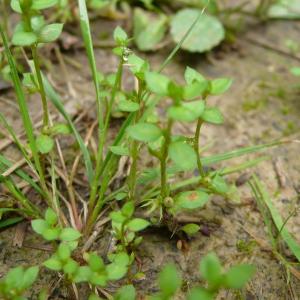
29	277
120	36
219	184
99	279
115	271
169	280
295	71
39	226
23	38
69	234
128	209
144	132
191	199
200	293
126	292
43	4
206	34
284	9
187	112
37	22
83	274
15	5
181	114
137	224
191	75
70	267
212	115
60	128
51	234
211	269
127	105
137	65
183	155
157	83
119	150
95	262
190	229
238	276
44	143
12	279
117	217
63	251
53	263
195	90
220	85
147	37
50	216
50	33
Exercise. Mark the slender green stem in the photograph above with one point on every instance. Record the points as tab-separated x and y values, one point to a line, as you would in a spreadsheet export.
197	148
163	161
41	86
103	136
134	151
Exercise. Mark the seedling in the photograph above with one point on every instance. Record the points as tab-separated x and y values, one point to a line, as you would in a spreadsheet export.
155	188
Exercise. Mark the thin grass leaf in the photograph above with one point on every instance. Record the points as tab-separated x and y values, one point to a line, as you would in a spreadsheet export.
31	209
88	43
56	101
5	164
10	221
23	108
178	46
262	195
238	152
16	141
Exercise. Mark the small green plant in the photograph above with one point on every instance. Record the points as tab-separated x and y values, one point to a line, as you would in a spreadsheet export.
16	282
211	270
151	191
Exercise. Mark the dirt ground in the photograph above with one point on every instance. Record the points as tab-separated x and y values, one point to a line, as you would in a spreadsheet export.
262	105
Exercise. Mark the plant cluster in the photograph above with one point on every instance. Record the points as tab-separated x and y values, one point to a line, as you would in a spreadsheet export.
143	129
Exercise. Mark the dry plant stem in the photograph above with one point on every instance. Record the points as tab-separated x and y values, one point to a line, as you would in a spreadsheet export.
197	148
163	160
134	152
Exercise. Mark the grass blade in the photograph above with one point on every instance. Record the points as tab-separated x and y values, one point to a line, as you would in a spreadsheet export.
5	164
24	111
88	43
262	196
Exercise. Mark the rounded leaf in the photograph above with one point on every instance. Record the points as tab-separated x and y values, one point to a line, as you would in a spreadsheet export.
50	33
191	199
39	225
220	85
211	269
138	224
43	4
238	276
50	216
212	115
23	38
44	143
207	33
169	280
183	155
53	263
144	132
190	229
69	234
